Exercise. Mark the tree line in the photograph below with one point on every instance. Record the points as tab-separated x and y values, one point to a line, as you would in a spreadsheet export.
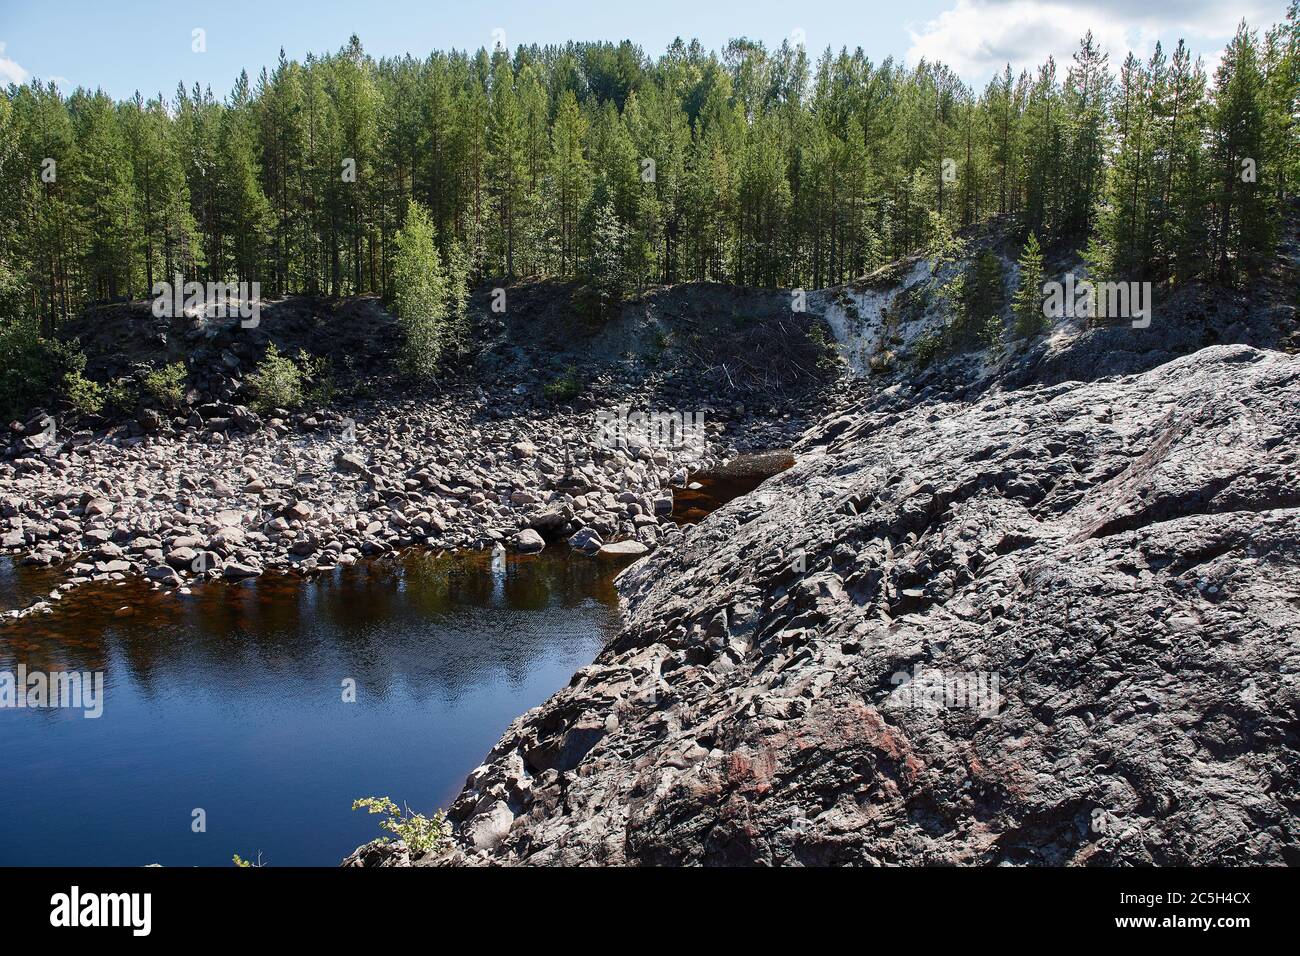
591	160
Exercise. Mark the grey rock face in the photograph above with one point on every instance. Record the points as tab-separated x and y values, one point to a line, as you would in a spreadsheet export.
1054	626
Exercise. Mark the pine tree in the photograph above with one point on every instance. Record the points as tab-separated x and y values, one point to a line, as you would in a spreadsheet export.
104	197
508	173
569	183
604	272
1242	231
421	295
1027	302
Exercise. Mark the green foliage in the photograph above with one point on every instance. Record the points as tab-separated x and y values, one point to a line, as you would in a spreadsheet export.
769	169
276	383
83	395
166	386
565	388
420	833
981	300
421	296
828	353
120	395
1027	302
33	366
942	247
316	373
928	347
605	275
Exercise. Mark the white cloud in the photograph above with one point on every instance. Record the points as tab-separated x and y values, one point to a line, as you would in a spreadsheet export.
10	72
978	37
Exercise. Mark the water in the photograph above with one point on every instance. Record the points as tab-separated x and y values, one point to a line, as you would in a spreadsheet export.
230	700
709	491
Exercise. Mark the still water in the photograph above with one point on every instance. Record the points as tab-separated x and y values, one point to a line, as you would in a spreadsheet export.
230	701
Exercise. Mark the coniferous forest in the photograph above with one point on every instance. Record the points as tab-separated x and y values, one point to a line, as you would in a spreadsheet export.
597	161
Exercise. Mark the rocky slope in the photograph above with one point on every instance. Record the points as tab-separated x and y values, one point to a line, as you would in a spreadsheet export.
1056	625
487	456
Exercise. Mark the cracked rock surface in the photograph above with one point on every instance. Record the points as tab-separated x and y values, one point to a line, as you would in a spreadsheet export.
1058	625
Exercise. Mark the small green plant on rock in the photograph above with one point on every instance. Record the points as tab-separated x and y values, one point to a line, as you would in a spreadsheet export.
84	395
928	347
166	385
828	352
420	833
119	395
565	388
276	382
317	376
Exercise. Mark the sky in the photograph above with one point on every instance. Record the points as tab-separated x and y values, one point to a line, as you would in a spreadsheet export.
128	45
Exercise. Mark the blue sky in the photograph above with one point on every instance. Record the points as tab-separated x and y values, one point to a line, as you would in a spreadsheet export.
127	45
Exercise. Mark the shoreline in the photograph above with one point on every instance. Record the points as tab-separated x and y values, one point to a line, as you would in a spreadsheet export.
238	495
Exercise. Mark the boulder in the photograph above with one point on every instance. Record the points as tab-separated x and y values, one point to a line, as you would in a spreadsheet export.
527	541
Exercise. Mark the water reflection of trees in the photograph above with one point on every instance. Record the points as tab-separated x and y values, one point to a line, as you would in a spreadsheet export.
423	624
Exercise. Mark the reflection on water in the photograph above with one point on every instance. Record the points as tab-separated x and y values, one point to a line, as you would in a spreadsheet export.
709	491
230	700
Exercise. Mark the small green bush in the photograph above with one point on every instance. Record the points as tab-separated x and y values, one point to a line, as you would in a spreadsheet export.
828	351
83	394
119	395
317	377
275	383
928	347
565	388
421	834
33	368
990	332
166	385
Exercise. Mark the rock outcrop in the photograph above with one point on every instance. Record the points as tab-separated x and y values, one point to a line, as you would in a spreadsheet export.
1058	625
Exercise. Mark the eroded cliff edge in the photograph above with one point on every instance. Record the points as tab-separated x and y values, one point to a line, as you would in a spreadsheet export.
1123	557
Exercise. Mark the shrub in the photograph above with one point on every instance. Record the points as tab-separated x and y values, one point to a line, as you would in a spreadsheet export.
34	367
565	388
928	347
317	374
83	394
119	395
421	834
828	352
166	385
275	383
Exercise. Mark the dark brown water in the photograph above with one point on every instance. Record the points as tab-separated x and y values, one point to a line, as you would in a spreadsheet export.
230	700
739	477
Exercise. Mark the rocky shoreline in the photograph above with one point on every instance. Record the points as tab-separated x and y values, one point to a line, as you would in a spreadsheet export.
232	495
1109	570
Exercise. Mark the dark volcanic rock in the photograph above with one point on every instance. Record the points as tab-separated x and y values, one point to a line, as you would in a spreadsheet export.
1054	626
